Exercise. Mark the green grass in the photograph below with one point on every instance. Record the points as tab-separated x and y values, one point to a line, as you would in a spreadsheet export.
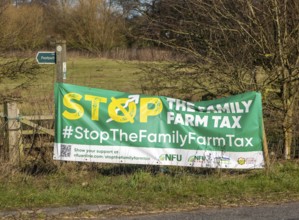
105	74
101	73
37	95
178	188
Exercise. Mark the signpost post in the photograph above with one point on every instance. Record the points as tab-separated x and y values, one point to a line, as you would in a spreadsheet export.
60	61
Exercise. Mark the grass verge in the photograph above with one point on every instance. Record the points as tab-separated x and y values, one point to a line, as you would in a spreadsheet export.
148	188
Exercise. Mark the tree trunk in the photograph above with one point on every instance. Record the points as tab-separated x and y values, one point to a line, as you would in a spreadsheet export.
288	107
288	132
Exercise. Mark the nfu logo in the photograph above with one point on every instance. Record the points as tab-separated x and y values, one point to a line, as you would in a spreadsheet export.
198	158
170	157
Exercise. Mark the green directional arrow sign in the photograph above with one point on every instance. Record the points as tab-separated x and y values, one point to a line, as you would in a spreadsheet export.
44	57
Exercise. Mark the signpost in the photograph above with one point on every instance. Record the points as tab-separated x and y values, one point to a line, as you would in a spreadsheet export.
46	57
57	57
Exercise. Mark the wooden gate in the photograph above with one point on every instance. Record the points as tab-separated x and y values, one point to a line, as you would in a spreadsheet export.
15	129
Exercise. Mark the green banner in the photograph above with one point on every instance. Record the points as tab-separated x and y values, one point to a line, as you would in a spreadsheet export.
105	126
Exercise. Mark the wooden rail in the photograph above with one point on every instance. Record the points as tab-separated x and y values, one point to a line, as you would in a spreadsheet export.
36	127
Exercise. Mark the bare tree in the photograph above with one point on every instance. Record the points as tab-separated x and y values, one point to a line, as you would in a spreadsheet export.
91	26
22	27
231	47
12	68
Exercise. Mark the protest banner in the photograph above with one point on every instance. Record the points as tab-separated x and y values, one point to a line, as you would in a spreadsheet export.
96	125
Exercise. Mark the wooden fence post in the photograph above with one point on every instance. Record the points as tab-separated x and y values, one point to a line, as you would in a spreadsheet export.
2	130
12	133
265	149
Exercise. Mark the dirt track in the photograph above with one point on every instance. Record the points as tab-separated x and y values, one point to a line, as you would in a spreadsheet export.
286	211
